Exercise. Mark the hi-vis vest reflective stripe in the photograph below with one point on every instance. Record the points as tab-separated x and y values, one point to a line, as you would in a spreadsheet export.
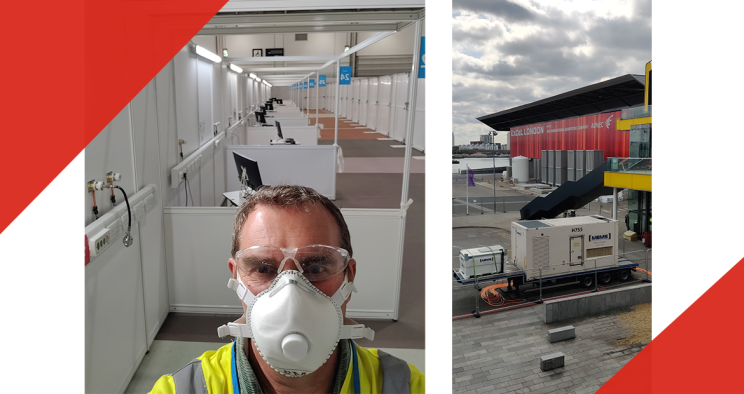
372	371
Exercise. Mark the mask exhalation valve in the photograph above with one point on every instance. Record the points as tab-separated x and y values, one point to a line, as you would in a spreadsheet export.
294	347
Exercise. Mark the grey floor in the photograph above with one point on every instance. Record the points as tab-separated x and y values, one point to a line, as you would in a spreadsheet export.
500	353
186	336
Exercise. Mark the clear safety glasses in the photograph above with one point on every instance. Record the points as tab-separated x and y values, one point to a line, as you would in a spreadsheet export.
316	262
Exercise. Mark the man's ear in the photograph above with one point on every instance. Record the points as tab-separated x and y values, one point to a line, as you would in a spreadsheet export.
351	269
232	265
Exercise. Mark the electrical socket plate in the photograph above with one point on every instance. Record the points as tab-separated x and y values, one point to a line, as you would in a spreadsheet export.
99	242
114	229
149	202
139	211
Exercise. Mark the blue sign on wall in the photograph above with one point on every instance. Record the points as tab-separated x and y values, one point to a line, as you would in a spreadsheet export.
322	81
304	85
344	75
312	83
422	59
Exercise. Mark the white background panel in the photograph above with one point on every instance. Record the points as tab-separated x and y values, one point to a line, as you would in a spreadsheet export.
312	166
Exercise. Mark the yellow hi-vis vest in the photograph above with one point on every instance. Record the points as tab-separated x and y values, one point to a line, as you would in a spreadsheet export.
372	371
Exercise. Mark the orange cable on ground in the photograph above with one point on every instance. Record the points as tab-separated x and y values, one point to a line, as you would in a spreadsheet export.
643	270
491	295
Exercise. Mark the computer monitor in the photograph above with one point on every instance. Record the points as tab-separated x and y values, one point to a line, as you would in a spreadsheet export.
269	106
279	130
260	118
280	101
248	172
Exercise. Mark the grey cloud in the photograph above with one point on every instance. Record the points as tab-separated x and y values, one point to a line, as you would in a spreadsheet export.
499	8
544	62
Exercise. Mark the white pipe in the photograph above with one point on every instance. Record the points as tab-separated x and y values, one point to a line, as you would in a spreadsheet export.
338	83
317	96
412	92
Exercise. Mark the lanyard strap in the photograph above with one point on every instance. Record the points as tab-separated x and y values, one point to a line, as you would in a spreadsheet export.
357	384
355	361
234	370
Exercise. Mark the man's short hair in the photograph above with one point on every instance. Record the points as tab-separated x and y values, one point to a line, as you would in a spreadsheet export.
288	196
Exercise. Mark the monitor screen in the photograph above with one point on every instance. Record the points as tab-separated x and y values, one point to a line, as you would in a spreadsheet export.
279	130
248	173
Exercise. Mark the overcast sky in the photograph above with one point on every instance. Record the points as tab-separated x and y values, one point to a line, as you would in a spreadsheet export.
509	53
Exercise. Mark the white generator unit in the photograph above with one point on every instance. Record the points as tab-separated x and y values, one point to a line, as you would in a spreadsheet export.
481	261
563	247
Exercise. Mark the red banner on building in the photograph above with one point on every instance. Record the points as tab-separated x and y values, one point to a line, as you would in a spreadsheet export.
593	132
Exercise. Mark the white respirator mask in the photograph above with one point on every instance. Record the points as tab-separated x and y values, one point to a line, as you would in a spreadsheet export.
295	326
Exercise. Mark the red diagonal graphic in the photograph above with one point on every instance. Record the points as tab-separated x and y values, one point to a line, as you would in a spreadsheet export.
70	67
697	353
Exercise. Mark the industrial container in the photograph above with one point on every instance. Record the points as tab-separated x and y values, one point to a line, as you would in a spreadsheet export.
563	247
593	160
561	171
551	167
571	173
481	261
580	163
521	169
544	167
538	169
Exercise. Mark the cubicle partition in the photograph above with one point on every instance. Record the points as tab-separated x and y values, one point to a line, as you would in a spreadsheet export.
355	94
312	166
419	125
363	100
383	108
372	104
286	121
198	247
399	107
305	136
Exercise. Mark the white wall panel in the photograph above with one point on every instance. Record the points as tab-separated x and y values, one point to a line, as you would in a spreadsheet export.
400	112
372	103
187	117
145	114
198	254
342	102
419	127
204	89
115	339
363	100
355	90
217	88
111	150
385	91
312	166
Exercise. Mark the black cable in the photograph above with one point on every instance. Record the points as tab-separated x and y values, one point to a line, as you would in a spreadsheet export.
187	194
186	189
129	211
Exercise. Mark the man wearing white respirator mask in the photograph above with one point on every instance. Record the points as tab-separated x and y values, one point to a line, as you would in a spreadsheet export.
293	271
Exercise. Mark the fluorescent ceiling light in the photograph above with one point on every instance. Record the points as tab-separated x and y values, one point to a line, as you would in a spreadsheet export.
236	68
252	75
208	55
258	79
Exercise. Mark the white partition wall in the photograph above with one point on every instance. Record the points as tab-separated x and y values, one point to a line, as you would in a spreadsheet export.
419	128
355	92
372	104
295	121
312	166
364	100
400	107
305	136
343	92
198	246
385	90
